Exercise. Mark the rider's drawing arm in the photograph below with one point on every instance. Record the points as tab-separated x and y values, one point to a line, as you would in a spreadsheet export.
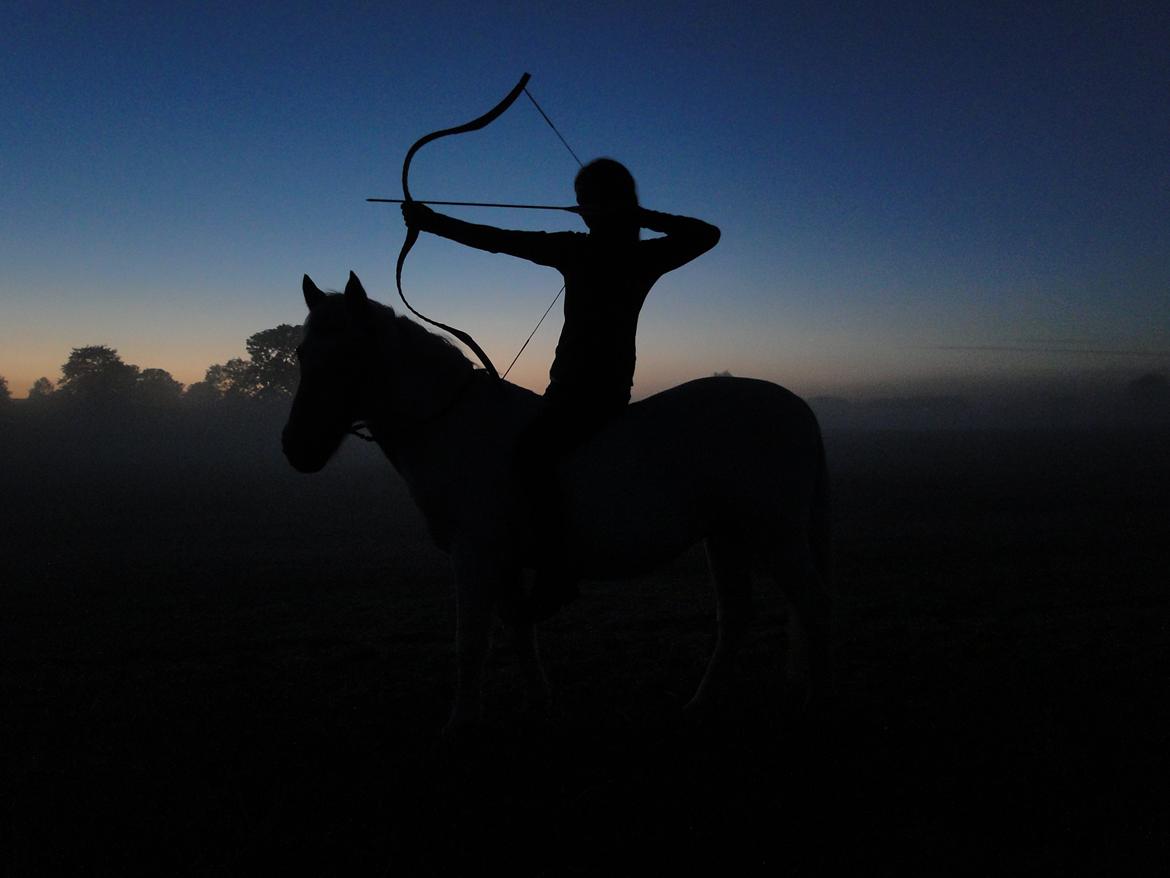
683	238
543	248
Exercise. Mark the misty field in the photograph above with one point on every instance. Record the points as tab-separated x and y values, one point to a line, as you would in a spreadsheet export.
214	665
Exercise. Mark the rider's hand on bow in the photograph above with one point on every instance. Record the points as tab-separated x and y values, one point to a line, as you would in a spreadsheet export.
417	216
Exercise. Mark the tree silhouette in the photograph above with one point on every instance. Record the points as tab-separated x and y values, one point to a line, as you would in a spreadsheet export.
96	373
270	371
6	403
156	387
41	390
201	393
233	379
274	360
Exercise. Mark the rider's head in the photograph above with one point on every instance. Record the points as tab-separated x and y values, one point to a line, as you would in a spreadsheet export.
607	196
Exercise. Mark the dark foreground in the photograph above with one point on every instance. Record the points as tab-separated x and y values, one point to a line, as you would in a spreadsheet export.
212	665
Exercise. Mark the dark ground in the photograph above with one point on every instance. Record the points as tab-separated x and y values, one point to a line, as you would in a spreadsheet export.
214	666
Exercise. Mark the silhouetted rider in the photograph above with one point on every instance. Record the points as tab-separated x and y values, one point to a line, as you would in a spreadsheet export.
608	273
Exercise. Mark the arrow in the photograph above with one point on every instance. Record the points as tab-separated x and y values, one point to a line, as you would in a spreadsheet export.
477	204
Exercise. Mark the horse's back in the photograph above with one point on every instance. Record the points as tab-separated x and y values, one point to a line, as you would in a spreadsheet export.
722	416
734	402
714	455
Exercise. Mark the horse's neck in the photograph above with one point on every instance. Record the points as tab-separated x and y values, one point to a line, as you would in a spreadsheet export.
418	396
422	385
464	449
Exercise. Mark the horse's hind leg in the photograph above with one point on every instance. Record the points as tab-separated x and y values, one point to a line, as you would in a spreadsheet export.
732	581
798	575
516	614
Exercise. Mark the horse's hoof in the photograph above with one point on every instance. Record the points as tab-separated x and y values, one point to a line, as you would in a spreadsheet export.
698	711
461	727
549	598
798	694
540	702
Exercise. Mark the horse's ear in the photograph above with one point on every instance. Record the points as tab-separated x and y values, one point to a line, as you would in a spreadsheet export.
313	296
356	300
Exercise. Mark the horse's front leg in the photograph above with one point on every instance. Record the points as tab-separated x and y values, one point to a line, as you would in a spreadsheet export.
480	577
515	610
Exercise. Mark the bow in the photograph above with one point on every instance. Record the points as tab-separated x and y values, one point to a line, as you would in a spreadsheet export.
412	233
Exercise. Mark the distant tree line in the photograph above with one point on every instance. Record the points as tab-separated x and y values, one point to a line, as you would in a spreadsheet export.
96	378
96	375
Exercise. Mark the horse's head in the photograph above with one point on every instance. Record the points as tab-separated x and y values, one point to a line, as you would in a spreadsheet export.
336	361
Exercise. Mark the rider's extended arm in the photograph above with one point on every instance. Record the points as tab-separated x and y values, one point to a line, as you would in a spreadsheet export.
540	247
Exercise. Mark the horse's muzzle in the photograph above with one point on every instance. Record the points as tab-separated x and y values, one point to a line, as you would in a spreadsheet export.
304	457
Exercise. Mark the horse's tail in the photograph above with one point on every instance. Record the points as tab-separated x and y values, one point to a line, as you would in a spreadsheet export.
820	525
821	591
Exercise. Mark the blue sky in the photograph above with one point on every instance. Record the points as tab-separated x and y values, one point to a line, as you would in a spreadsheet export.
910	196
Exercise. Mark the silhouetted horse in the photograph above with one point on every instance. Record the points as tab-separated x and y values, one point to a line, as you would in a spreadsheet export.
736	462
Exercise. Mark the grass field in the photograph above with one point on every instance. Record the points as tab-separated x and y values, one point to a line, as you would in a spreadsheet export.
215	666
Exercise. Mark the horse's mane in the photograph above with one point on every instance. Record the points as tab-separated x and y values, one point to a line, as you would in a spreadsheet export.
432	353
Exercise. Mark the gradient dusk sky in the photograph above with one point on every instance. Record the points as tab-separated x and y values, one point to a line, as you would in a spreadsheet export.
910	194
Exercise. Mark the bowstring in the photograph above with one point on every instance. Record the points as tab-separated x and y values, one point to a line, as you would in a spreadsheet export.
534	329
544	115
580	164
